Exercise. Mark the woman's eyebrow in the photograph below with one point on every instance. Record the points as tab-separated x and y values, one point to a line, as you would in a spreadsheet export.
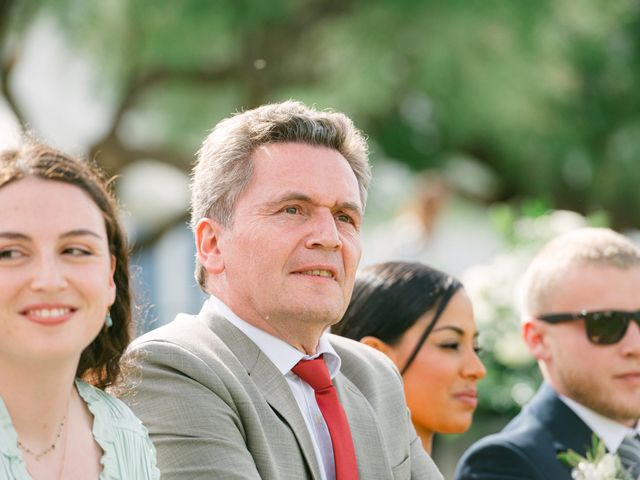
14	235
458	330
80	232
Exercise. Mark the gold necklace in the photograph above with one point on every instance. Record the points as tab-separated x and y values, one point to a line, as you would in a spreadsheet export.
64	455
50	448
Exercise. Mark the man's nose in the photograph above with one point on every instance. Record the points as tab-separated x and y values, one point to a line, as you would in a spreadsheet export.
324	232
631	339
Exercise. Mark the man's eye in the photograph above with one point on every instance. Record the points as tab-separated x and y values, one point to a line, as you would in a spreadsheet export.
344	218
292	210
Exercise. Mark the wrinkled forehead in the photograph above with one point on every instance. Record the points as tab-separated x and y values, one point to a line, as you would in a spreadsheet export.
308	170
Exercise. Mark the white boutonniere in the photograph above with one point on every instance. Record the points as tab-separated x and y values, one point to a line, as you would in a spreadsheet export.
597	465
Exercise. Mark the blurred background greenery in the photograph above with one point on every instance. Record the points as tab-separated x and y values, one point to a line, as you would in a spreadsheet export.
521	108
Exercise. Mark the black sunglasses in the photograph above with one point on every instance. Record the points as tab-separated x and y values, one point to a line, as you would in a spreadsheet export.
603	327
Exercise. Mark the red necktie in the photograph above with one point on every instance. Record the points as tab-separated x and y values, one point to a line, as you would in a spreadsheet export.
315	373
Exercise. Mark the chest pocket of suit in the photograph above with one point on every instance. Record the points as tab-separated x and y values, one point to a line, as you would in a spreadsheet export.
402	471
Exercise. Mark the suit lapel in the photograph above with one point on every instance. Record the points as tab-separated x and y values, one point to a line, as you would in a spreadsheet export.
367	438
278	394
269	381
567	429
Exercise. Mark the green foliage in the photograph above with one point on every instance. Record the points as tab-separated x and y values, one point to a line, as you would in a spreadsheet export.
543	94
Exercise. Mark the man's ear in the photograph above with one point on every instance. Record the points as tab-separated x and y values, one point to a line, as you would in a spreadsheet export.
208	233
535	333
375	342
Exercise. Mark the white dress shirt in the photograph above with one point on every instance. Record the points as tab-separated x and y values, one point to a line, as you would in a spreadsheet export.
285	357
611	432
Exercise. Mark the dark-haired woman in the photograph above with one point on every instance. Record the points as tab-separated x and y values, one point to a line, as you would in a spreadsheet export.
65	315
423	320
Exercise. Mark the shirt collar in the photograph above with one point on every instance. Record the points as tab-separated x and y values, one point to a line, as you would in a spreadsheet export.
8	435
281	354
611	432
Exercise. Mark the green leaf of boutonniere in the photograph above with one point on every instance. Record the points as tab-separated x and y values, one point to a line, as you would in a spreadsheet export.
597	465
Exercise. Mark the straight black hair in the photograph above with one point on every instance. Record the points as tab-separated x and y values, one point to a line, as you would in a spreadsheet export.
389	298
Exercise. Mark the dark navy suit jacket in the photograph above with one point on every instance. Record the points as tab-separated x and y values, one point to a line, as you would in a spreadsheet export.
528	446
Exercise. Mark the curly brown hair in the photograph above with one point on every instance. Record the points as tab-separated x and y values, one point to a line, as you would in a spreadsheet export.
100	361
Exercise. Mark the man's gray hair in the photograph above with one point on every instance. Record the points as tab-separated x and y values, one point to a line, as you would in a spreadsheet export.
224	164
584	246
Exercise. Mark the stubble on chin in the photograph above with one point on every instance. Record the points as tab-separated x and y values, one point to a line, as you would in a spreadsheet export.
602	398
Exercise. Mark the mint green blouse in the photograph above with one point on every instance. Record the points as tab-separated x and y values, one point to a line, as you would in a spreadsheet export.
128	452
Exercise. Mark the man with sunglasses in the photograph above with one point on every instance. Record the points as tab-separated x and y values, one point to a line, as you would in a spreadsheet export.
581	321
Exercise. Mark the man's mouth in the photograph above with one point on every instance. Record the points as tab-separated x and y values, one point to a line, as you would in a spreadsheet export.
317	273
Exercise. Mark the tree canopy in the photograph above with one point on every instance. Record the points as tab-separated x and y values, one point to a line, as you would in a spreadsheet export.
540	95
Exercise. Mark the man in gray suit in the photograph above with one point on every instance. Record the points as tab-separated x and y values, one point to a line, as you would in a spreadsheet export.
278	195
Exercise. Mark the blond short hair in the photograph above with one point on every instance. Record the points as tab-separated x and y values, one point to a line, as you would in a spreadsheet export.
584	246
224	164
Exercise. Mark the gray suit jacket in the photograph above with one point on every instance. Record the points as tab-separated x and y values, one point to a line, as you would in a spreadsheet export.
217	408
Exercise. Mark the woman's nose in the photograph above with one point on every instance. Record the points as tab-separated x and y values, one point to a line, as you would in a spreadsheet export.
49	275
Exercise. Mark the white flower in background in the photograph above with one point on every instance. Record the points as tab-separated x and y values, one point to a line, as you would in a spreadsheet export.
491	288
562	221
522	392
539	230
510	350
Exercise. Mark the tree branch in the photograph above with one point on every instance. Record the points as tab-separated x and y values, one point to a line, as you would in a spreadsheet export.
6	67
6	7
8	60
113	156
141	83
